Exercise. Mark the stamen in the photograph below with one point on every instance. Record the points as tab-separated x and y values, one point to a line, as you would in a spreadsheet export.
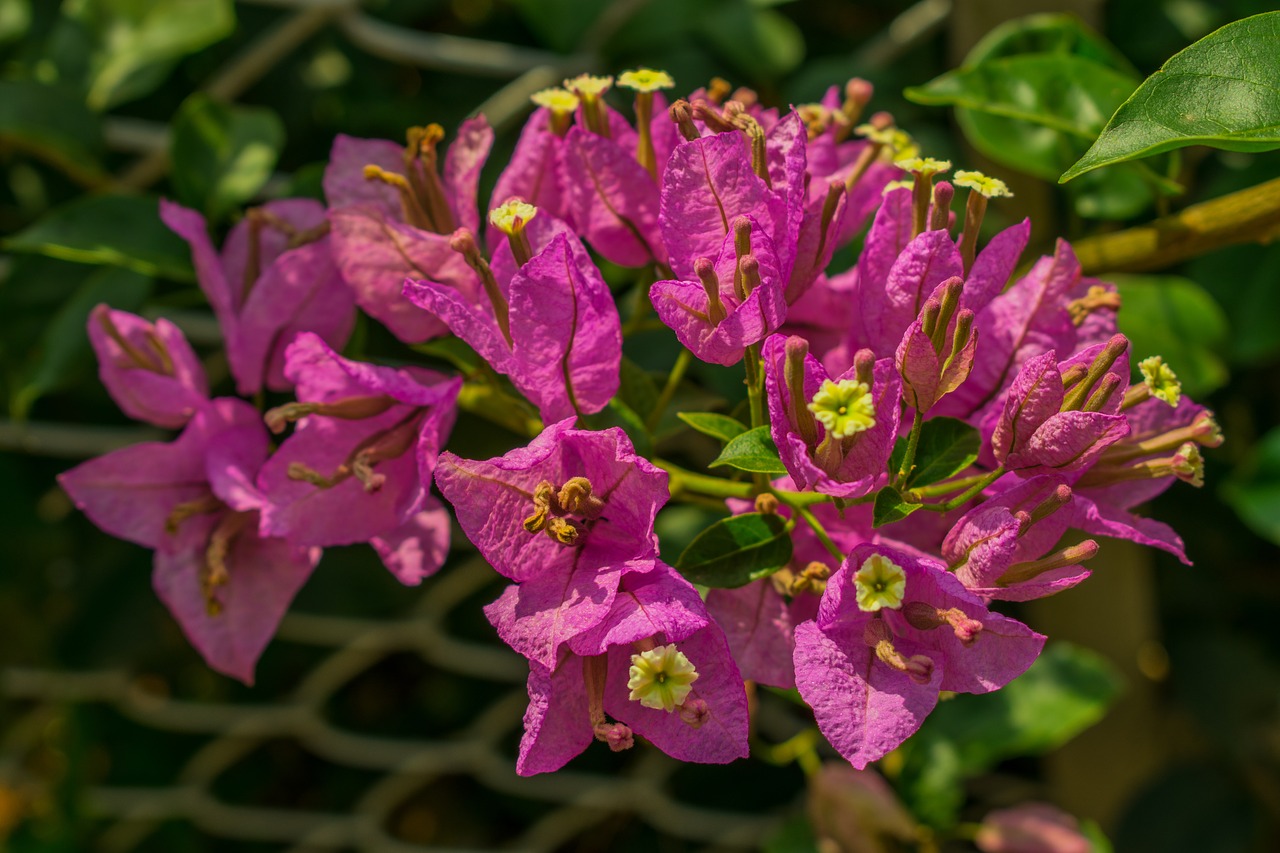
940	213
718	89
682	114
879	583
563	531
835	193
307	474
812	578
161	364
926	617
797	348
410	206
189	509
544	498
575	497
1020	572
423	169
1096	298
348	409
214	574
767	504
918	667
759	153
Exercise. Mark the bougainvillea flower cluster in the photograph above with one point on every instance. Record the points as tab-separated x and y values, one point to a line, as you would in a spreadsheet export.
728	214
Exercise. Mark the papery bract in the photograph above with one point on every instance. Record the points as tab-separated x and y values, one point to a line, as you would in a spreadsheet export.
149	369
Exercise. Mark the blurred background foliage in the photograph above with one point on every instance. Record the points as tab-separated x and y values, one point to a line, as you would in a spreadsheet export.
105	105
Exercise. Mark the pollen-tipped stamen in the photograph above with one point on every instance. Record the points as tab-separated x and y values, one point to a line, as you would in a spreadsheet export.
161	364
682	114
348	409
411	208
926	617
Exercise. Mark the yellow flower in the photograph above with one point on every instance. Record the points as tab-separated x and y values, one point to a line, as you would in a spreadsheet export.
560	101
661	677
1161	380
987	186
504	217
645	80
880	583
845	408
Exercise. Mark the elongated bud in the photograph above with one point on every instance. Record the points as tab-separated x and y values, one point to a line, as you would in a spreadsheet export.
741	248
835	193
1072	376
940	213
706	272
464	243
1102	394
347	409
711	118
682	114
1102	363
1021	572
797	348
864	365
857	94
214	574
749	270
929	316
759	154
1054	502
951	292
926	617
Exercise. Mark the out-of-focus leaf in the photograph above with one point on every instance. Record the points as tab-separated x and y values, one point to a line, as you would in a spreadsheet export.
636	388
64	349
1098	841
795	835
1254	489
222	154
1242	280
118	230
722	427
138	40
1063	693
1053	33
1058	103
1176	319
15	19
947	446
760	43
891	506
1214	811
53	124
1220	91
737	550
754	451
619	414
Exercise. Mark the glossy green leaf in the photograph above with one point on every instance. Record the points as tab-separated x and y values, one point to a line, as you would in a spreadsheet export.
1057	104
138	40
737	550
947	446
717	426
52	124
891	506
1176	319
1063	693
117	230
1220	91
1254	488
222	154
753	451
64	351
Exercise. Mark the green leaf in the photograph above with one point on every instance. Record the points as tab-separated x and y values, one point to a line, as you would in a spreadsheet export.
117	230
1063	693
722	427
1050	33
760	43
636	388
53	124
138	41
891	506
947	446
619	414
1030	112
64	350
222	155
737	550
1220	91
753	451
1176	319
1254	488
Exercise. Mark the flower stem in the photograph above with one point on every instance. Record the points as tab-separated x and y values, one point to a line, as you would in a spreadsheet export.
668	390
968	494
818	530
946	487
913	441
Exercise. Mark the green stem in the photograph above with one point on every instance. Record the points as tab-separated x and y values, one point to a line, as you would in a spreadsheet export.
684	480
818	530
755	387
968	495
946	487
913	441
669	390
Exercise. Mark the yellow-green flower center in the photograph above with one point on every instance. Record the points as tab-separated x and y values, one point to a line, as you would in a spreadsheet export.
922	165
589	86
661	678
879	583
560	101
845	408
1162	381
645	80
980	183
504	216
